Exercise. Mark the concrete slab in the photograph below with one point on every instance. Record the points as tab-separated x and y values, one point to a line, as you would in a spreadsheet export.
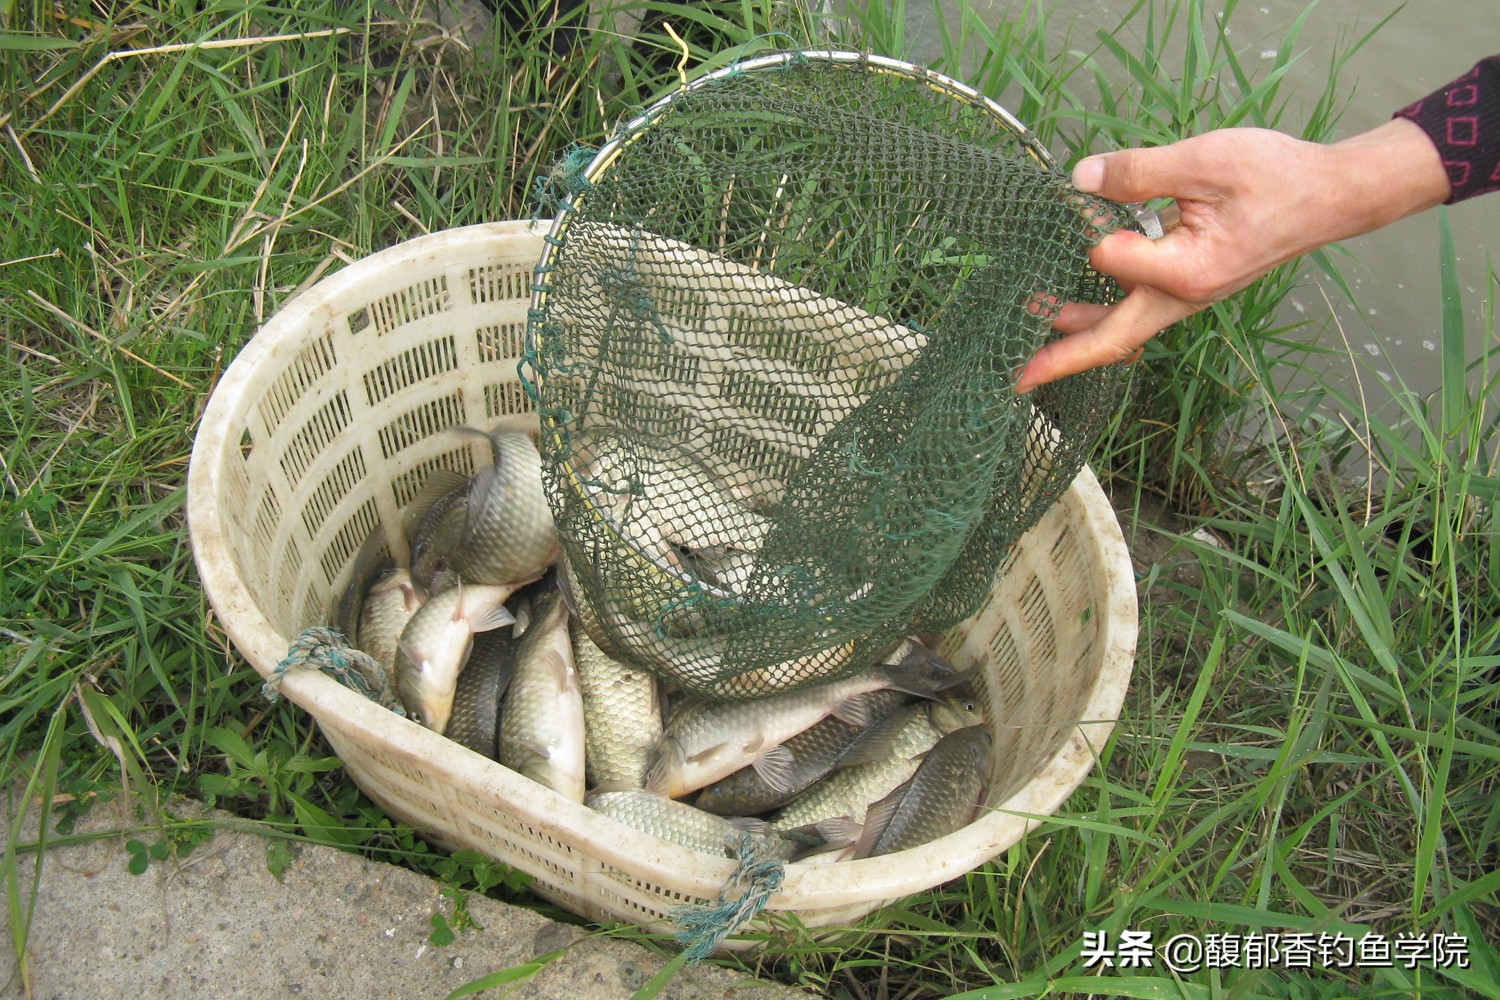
216	923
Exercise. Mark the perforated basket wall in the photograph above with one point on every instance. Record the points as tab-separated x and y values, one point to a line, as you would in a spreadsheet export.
325	425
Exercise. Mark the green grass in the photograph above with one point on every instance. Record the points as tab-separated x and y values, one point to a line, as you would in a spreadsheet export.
1312	738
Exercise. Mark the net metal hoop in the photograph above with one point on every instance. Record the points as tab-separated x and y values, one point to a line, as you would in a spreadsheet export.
627	133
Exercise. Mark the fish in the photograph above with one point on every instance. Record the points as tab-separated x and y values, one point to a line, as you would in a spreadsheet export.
541	721
709	740
435	645
475	719
910	656
815	752
727	569
371	563
508	531
434	524
802	672
625	638
622	715
388	607
884	756
939	798
671	500
694	511
684	825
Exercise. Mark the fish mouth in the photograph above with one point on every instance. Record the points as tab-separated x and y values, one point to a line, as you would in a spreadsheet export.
437	719
428	713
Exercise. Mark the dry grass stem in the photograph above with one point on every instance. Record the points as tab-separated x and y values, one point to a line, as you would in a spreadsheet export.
160	50
81	325
406	214
1364	410
72	428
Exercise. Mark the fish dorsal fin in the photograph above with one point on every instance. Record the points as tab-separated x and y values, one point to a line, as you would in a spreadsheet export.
774	767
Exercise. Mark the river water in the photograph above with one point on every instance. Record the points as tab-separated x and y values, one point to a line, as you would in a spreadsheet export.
1391	333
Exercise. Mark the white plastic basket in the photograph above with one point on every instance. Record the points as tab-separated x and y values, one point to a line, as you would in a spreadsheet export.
327	423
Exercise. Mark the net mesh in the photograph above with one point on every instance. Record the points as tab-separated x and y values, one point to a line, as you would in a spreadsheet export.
774	352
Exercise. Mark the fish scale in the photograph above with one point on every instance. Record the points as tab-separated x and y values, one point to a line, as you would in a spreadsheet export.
849	791
388	607
475	722
709	740
939	798
436	643
434	524
541	722
622	713
815	752
509	533
682	824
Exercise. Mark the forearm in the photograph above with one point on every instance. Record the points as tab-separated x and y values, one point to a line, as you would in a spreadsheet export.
1376	178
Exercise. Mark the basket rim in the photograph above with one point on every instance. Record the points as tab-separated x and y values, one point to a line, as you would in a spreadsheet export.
883	879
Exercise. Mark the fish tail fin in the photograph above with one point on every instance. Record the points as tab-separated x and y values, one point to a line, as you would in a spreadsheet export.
914	681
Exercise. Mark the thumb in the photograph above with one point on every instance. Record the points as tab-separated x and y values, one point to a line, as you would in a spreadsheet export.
1139	174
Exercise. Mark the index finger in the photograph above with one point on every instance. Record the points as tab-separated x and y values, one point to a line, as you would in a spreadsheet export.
1121	332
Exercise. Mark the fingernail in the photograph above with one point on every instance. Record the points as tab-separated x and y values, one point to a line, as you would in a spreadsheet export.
1088	174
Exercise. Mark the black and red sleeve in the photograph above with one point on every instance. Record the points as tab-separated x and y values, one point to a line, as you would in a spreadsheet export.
1463	121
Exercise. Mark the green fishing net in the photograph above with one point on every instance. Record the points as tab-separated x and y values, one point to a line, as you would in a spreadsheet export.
773	348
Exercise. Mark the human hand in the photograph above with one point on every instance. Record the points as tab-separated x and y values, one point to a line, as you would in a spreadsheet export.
1249	200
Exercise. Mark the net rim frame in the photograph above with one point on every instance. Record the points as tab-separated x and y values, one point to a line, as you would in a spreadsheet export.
625	134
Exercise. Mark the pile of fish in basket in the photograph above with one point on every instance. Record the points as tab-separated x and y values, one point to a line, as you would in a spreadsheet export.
481	636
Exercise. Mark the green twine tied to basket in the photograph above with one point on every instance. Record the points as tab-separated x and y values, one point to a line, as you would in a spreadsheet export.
702	927
322	648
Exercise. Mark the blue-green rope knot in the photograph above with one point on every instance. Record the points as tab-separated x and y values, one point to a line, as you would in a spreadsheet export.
326	649
554	191
759	874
